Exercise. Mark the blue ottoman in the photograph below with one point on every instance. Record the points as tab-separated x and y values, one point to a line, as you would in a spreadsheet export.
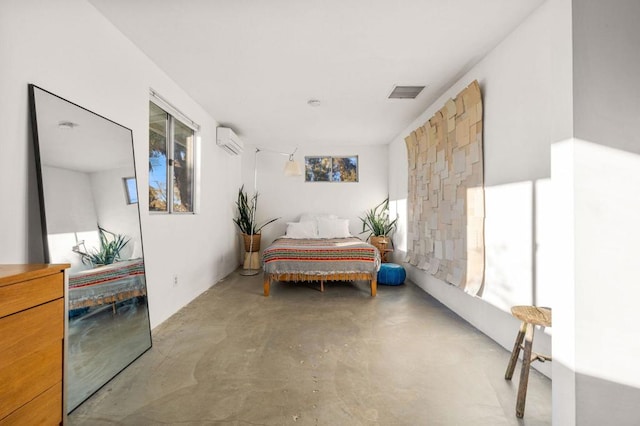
391	274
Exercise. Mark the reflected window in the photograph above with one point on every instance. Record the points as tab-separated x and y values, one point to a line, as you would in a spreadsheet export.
171	163
130	190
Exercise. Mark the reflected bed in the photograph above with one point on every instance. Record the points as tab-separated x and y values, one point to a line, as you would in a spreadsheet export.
107	284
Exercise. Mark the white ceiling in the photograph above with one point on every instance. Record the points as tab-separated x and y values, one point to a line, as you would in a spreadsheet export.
253	65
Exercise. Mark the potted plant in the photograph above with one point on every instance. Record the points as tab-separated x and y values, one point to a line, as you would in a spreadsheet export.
246	220
109	251
377	222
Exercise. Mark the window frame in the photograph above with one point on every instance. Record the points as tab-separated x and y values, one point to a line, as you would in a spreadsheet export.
173	115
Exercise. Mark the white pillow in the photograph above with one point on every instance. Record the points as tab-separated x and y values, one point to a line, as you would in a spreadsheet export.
333	228
302	230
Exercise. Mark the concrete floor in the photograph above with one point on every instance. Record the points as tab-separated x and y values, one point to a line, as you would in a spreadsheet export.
301	357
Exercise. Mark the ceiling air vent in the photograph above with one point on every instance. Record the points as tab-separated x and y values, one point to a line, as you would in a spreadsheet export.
405	92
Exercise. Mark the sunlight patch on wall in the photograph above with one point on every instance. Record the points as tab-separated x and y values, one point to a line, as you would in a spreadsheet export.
508	245
61	245
398	208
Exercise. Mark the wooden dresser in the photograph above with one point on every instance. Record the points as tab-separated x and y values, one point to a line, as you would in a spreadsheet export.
31	344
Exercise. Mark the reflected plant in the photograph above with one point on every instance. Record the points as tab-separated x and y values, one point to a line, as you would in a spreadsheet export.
109	252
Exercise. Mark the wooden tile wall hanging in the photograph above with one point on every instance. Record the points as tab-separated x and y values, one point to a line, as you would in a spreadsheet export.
446	193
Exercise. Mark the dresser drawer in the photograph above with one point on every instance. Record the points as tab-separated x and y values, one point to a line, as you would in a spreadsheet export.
32	314
30	331
45	409
29	376
23	295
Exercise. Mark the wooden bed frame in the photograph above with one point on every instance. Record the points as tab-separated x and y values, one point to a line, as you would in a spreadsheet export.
367	276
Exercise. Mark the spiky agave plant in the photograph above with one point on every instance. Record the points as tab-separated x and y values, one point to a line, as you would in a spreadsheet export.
109	251
377	222
246	213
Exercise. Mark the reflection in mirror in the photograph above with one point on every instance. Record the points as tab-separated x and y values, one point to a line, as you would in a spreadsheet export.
90	219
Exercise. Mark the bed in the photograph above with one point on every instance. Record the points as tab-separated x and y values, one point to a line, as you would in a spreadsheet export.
319	251
107	284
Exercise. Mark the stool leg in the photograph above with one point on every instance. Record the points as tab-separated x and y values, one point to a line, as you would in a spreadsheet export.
524	373
515	352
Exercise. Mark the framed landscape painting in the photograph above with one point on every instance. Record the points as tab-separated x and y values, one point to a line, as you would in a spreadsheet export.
331	169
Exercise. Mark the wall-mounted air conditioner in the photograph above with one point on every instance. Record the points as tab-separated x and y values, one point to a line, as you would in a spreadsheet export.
229	141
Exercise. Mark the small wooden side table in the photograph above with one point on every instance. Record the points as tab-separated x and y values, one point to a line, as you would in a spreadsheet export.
382	244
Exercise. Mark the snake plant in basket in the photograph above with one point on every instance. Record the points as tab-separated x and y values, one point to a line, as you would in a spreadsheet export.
380	227
246	220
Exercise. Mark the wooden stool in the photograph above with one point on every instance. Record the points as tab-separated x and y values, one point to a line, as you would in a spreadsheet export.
530	317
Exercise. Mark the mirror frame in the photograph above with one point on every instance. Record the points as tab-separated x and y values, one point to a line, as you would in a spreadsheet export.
44	229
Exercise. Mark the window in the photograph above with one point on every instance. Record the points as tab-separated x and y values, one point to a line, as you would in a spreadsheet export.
130	190
171	161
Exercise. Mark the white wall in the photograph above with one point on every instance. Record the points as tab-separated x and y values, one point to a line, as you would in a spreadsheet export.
71	214
70	49
72	209
289	197
114	214
526	89
606	63
596	341
599	173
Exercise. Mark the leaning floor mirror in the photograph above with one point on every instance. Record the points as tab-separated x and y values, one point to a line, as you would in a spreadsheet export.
90	219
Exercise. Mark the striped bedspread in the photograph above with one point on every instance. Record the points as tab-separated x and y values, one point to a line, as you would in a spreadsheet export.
102	274
320	256
107	284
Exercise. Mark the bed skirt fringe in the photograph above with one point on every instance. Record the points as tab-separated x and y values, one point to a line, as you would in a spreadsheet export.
305	277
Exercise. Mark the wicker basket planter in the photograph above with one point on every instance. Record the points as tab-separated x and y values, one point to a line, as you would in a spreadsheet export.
248	247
